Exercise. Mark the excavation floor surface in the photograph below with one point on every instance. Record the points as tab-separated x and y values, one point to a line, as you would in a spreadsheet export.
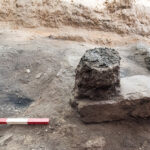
36	79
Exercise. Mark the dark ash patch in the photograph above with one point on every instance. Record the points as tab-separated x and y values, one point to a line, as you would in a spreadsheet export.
19	101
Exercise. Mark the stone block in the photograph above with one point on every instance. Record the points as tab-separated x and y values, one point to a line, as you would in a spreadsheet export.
134	101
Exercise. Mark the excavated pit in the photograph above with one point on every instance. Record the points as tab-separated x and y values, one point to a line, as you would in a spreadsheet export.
132	98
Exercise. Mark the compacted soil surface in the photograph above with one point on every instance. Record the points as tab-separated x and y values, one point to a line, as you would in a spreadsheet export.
37	76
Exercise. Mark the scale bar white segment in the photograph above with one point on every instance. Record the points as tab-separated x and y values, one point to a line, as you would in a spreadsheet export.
17	121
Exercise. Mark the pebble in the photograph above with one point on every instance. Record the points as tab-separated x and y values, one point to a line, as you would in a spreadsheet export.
28	71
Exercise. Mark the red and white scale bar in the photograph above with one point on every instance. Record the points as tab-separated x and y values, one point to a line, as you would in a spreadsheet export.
24	121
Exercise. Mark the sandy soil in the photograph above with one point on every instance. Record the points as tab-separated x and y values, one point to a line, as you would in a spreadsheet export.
122	17
48	85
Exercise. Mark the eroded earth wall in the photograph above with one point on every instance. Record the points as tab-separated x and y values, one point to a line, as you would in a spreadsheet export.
110	16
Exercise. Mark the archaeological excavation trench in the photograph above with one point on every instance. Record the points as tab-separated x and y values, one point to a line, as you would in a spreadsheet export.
85	65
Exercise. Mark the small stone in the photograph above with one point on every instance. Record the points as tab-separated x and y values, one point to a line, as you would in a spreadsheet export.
95	143
38	75
28	71
46	130
147	61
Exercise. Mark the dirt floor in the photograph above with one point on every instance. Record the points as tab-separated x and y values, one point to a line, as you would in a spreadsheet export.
36	79
41	43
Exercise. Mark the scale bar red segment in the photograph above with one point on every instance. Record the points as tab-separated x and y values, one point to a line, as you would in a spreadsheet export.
3	121
38	121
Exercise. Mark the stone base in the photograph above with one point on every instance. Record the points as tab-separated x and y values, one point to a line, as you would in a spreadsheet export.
134	101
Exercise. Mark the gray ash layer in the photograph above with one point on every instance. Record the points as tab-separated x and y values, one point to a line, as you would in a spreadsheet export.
101	57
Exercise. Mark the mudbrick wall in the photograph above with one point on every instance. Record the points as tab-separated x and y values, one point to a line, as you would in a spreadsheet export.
116	16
